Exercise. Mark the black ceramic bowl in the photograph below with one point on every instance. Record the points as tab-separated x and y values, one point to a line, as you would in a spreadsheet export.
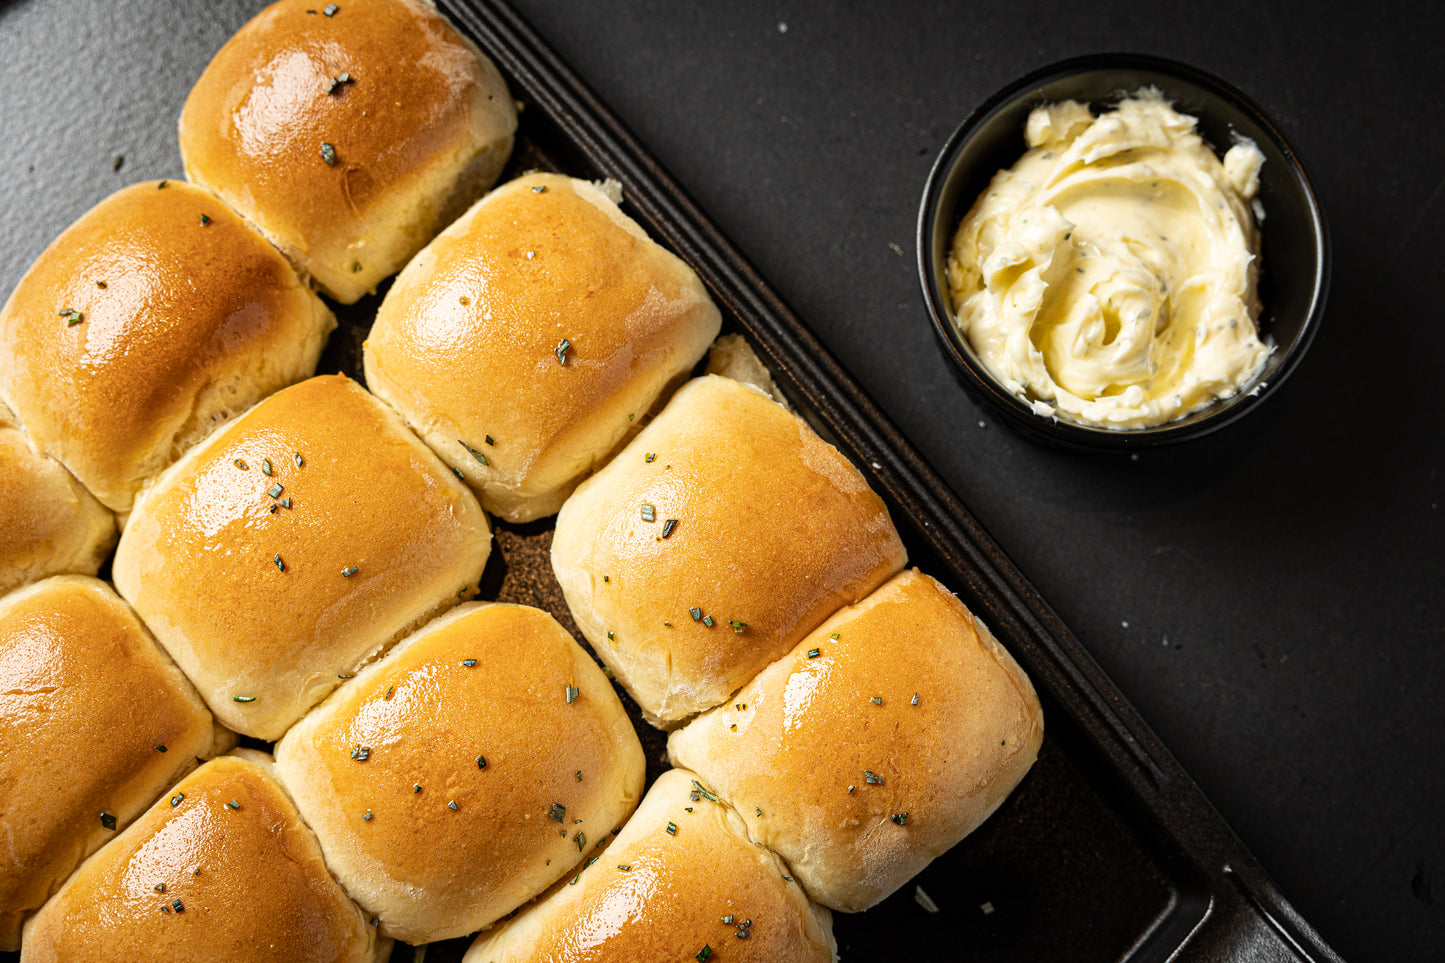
1295	249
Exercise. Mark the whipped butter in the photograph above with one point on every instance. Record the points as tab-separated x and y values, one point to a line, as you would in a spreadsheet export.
1108	277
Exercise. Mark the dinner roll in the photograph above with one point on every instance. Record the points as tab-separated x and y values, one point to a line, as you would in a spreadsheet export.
95	723
880	741
294	544
51	523
531	334
220	869
720	536
458	777
349	133
152	319
681	881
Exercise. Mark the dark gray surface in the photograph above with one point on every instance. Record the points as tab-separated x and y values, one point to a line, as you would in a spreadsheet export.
1281	584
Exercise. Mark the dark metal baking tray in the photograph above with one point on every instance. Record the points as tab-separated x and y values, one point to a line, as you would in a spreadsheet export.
1107	851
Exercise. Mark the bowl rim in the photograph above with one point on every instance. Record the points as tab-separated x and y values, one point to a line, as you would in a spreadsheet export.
1061	431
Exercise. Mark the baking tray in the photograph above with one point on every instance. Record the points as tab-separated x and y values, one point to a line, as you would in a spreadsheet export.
1107	851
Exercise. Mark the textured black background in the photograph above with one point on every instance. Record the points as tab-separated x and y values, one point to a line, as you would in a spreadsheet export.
1271	599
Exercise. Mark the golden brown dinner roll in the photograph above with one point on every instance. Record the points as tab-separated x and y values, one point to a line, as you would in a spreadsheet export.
220	869
529	336
95	723
348	132
459	776
880	741
294	544
720	536
51	524
681	881
152	319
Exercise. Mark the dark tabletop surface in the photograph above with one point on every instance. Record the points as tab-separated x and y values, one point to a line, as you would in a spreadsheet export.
1270	598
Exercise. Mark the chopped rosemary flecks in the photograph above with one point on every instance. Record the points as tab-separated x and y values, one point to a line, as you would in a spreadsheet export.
355	267
558	812
241	465
728	919
361	753
481	762
561	351
479	456
703	792
176	799
572	693
579	775
346	675
366	816
696	613
704	954
760	810
160	748
280	565
744	934
625	867
787	878
649	512
160	887
876	700
415	788
285	502
581	839
331	10
709	621
243	698
337	81
850	789
672	829
328	154
834	635
668	526
914	700
205	220
161	186
115	165
452	805
737	625
349	571
469	663
275	490
814	653
297	456
107	820
100	284
900	818
72	317
177	905
872	778
266	467
611	635
539	189
273	509
233	804
650	457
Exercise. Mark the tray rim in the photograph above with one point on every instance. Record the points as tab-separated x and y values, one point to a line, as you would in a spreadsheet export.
1238	913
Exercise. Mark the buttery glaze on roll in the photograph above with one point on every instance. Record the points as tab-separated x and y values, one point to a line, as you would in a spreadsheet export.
95	723
720	536
348	133
149	321
886	736
1109	276
51	523
220	869
682	881
293	545
458	777
526	340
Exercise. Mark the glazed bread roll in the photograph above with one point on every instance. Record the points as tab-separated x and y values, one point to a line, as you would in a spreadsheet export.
458	777
880	741
152	319
681	881
531	334
220	869
298	541
720	536
349	133
51	523
95	723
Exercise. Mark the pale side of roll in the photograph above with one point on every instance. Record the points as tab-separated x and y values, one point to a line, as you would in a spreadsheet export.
458	777
348	133
758	531
682	881
220	869
148	322
883	738
95	723
296	543
527	339
51	523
